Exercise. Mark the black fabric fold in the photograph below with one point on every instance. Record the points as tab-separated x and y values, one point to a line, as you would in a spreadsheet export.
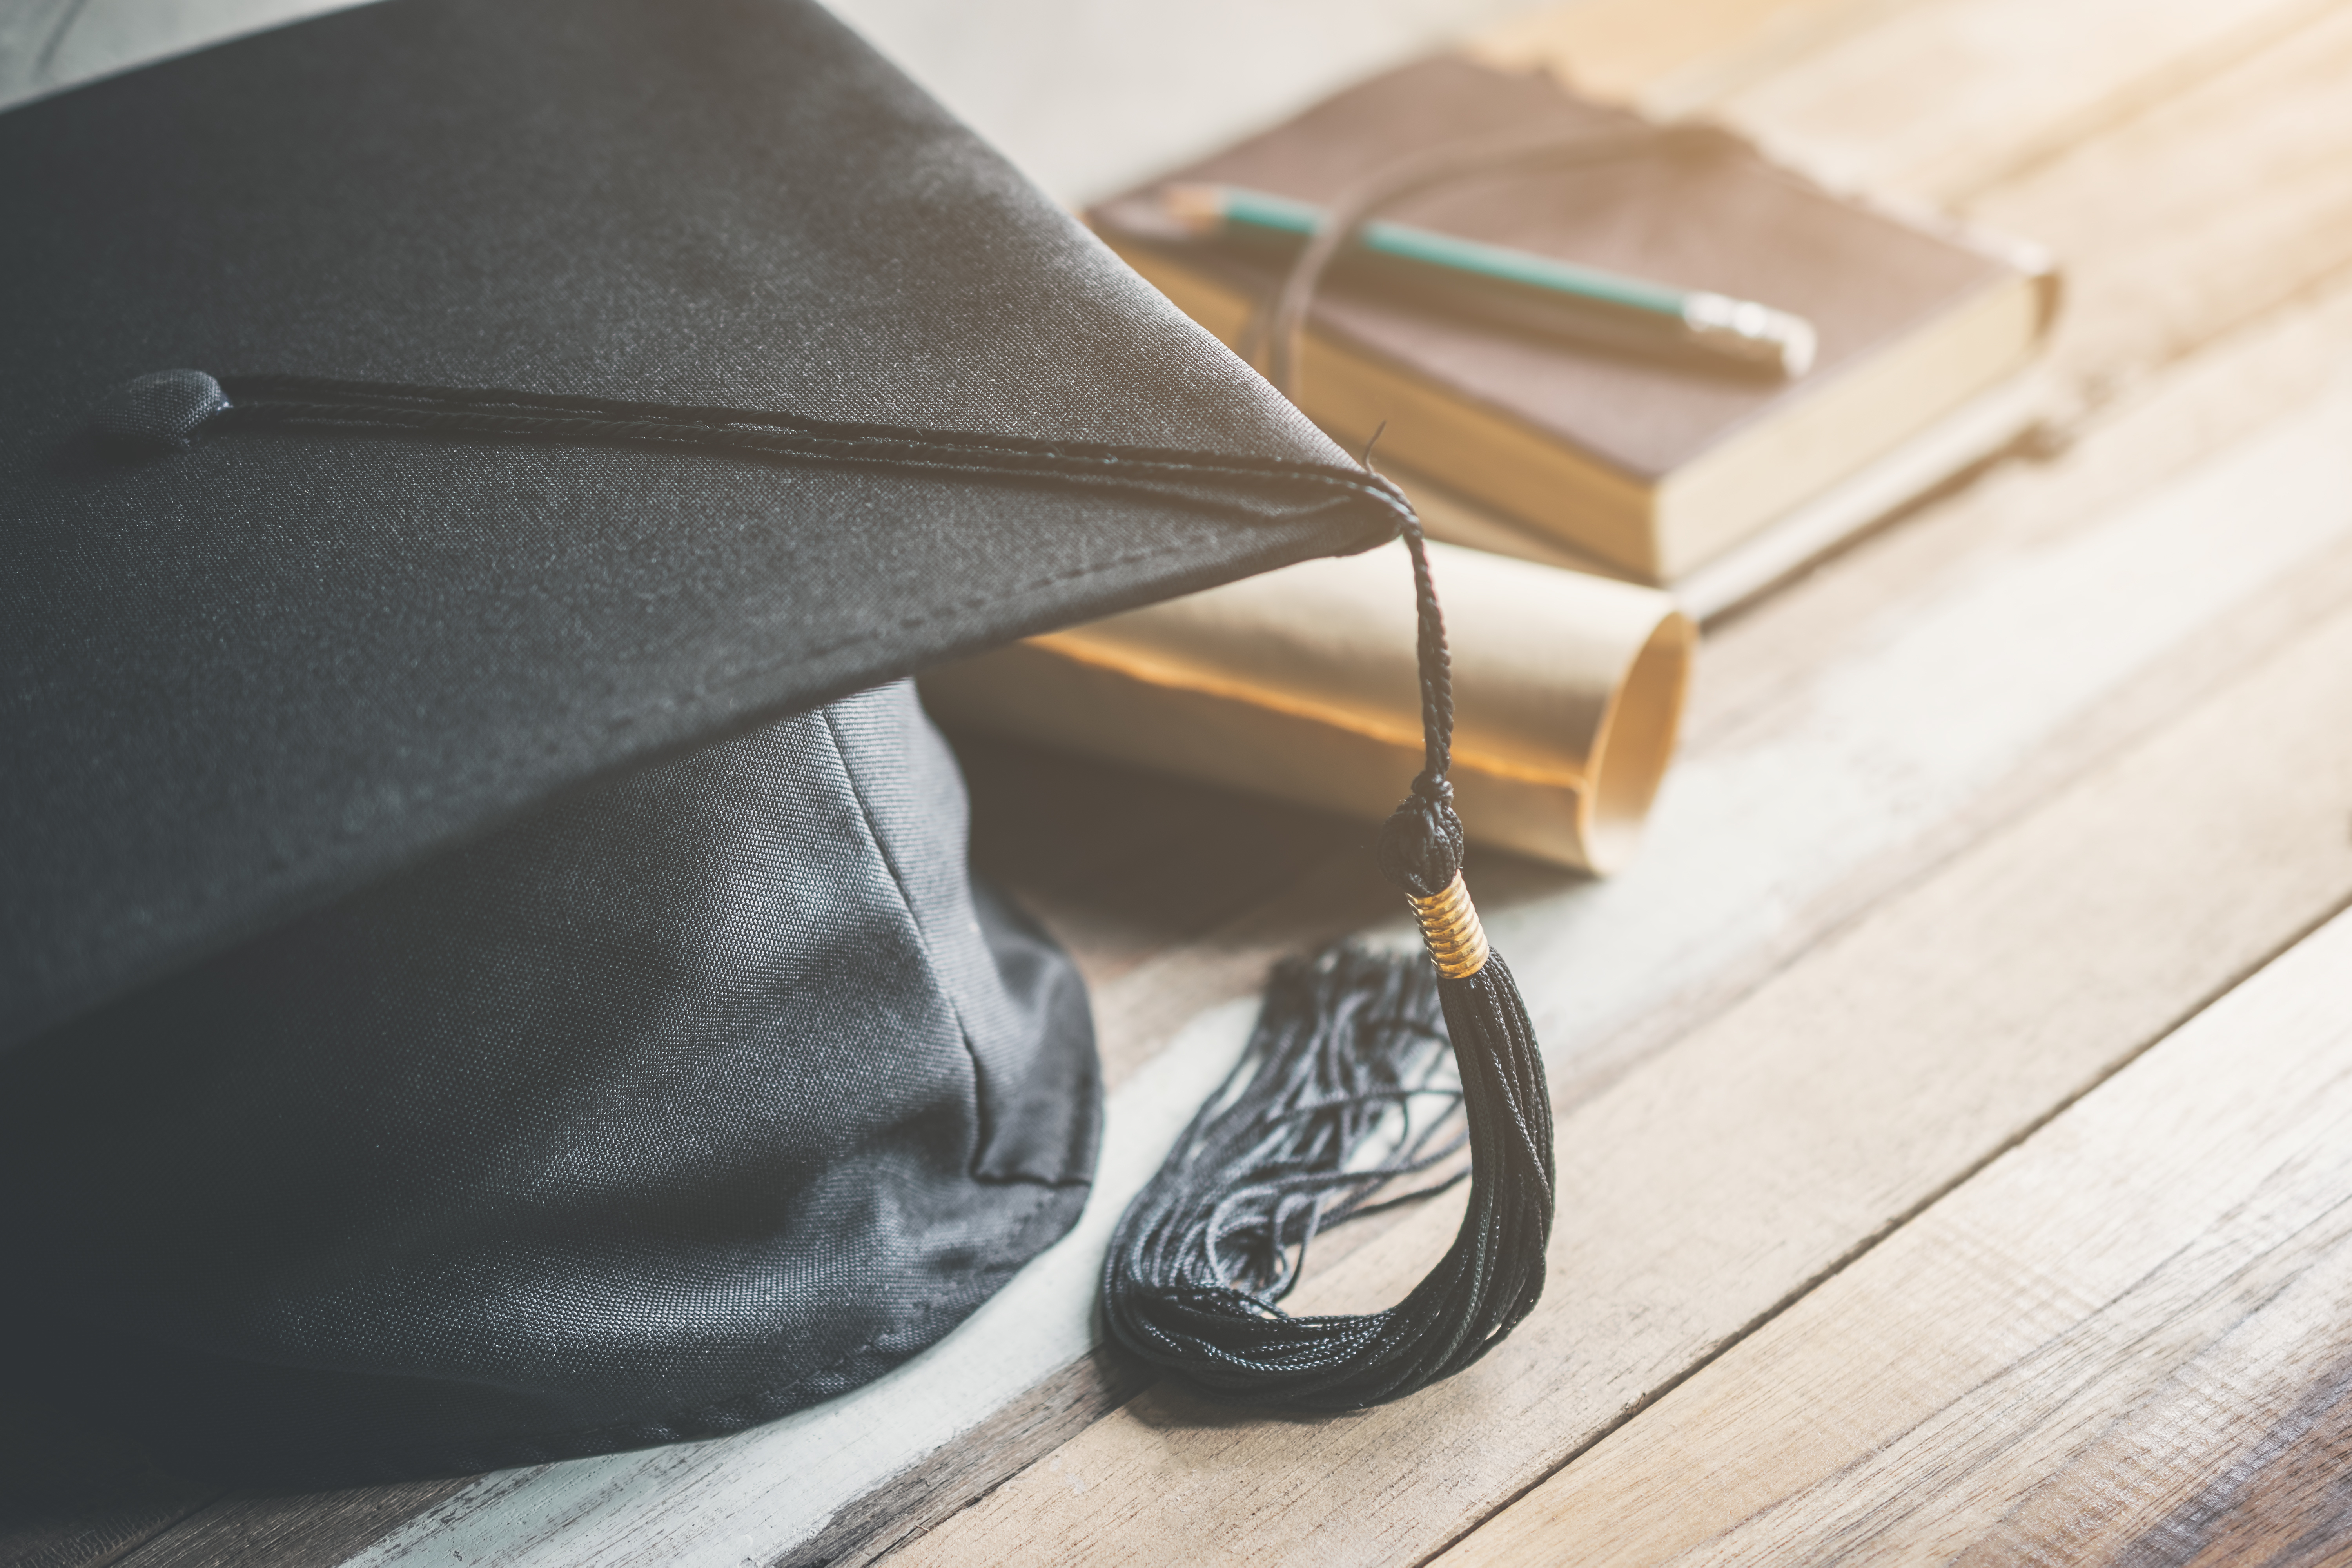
673	1108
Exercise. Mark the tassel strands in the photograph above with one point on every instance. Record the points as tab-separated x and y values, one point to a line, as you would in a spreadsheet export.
1340	1064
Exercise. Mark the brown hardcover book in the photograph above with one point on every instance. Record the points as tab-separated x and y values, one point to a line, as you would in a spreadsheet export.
1656	466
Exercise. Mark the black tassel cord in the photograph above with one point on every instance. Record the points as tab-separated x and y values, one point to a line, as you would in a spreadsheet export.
1331	1105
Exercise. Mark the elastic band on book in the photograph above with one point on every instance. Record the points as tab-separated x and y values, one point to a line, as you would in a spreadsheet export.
1280	323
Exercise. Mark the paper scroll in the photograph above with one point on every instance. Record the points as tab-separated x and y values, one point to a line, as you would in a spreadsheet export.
1301	684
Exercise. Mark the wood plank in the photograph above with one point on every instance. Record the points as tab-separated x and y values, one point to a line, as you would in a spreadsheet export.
1066	1404
1933	102
1669	56
1949	97
2199	216
2130	1339
1902	732
302	1530
1704	1193
2217	191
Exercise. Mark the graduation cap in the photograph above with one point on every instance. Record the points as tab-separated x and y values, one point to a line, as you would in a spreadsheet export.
488	969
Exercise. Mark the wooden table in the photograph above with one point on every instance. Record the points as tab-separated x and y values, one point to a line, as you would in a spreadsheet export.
1956	1102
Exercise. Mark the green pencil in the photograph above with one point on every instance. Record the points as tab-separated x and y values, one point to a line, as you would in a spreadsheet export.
1521	287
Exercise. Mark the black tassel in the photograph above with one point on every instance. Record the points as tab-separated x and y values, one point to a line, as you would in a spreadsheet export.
1342	1057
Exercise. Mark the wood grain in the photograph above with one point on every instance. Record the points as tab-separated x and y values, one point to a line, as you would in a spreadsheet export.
2111	1346
2200	216
1056	1411
302	1530
1668	57
1948	97
1704	1193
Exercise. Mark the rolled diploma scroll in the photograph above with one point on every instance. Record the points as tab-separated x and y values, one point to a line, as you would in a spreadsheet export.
1301	684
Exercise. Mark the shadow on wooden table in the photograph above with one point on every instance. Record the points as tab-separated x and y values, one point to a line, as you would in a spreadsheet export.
1122	864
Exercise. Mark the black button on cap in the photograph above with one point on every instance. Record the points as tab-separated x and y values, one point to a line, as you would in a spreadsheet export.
157	413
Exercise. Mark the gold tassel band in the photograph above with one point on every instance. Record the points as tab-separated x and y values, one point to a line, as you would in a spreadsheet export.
1450	927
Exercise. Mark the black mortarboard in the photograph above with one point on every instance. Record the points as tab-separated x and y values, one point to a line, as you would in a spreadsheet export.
489	970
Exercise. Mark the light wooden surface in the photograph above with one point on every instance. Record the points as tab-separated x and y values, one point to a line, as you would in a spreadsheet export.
1945	1168
2129	1339
1952	96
